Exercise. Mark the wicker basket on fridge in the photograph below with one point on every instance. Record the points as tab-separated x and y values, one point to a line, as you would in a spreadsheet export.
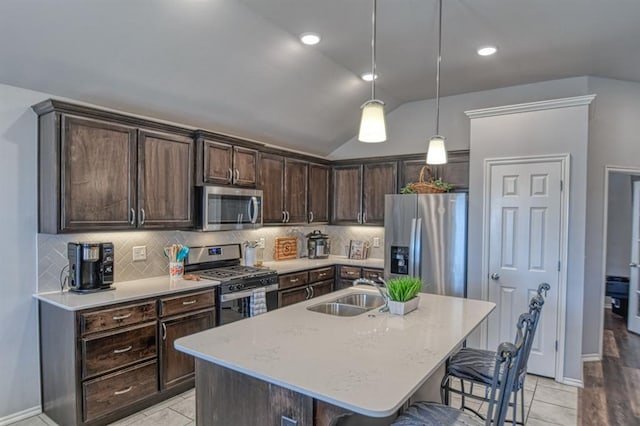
425	187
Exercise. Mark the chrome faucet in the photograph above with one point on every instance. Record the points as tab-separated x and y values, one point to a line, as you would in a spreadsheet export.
384	294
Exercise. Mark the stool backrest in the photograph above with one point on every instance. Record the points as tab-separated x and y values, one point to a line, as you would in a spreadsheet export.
506	369
535	309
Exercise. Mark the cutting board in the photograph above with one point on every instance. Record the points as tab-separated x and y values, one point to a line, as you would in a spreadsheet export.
286	248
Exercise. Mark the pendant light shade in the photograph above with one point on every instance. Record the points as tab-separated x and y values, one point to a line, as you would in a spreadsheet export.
373	128
437	151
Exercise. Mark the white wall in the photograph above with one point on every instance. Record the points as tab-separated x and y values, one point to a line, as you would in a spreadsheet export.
20	383
619	225
555	131
411	124
614	140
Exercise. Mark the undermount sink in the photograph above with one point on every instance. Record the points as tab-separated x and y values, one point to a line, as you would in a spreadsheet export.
337	309
349	305
363	300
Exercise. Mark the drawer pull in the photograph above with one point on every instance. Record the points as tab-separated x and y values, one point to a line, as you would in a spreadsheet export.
121	317
322	274
350	272
123	391
123	350
294	280
190	302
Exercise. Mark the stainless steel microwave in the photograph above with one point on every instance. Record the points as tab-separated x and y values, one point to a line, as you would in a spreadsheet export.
225	208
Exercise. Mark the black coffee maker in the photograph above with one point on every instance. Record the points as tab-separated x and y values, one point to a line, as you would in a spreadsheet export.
90	266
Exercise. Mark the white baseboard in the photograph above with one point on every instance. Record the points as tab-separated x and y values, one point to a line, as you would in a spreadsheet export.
591	357
572	382
21	415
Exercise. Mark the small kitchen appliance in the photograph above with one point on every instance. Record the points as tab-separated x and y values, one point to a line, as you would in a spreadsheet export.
318	245
90	266
237	282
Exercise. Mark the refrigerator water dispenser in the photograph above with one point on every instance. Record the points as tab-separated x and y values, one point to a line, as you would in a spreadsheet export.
400	260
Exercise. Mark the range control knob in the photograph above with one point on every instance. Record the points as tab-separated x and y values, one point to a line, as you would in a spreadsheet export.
232	288
240	286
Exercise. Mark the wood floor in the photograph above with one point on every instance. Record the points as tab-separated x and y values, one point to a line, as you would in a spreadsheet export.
611	393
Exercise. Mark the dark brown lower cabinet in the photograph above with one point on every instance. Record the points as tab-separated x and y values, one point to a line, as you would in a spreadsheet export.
292	296
305	285
176	366
324	287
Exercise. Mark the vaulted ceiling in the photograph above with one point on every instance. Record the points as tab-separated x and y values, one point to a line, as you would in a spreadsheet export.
237	66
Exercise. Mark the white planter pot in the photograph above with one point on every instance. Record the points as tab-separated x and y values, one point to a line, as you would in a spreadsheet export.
403	308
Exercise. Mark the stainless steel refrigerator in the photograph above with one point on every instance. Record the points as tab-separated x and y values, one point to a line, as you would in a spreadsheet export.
425	235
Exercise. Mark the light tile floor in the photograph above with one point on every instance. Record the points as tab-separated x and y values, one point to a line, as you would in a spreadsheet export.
546	403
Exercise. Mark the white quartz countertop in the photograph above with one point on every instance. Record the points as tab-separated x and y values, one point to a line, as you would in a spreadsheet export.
124	291
370	364
294	265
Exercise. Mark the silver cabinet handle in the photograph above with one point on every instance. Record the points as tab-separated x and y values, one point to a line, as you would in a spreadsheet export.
141	216
237	175
359	217
322	274
123	350
164	331
132	216
494	276
633	265
121	392
284	216
310	217
312	292
308	291
230	173
121	317
190	302
294	280
364	217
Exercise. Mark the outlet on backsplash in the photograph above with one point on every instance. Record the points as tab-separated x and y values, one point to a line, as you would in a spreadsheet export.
376	242
139	253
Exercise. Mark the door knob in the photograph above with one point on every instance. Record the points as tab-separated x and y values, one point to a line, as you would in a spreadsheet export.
494	276
633	265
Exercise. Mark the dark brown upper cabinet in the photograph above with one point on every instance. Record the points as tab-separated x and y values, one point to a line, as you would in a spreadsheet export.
220	163
455	172
284	186
100	171
359	190
318	193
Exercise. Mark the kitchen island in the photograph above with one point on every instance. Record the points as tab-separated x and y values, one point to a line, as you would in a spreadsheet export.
311	367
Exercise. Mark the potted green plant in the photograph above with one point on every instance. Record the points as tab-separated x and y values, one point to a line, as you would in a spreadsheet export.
403	294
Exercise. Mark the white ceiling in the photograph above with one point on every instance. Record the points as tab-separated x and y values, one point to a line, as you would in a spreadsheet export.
238	67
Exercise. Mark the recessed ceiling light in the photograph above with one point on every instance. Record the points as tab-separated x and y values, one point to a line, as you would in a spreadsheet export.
310	38
367	76
487	50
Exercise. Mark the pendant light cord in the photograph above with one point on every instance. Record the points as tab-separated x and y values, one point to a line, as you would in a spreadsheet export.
438	67
373	51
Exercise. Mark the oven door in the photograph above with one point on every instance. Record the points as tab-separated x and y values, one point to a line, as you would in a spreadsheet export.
230	208
235	306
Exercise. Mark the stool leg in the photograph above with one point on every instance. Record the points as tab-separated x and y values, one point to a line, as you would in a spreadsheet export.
522	403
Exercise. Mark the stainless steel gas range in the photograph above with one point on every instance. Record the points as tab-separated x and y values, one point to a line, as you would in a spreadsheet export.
222	263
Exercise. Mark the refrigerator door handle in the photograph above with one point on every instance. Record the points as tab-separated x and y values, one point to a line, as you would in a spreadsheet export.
412	247
417	254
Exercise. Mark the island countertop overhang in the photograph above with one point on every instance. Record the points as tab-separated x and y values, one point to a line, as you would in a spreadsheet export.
370	363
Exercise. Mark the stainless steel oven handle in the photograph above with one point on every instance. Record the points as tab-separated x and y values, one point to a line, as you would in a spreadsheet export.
241	294
253	206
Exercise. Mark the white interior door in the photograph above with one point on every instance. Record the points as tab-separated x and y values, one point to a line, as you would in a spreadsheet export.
633	322
524	250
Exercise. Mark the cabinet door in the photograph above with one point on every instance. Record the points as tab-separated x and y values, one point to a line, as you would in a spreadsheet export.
410	171
244	166
272	184
318	193
323	287
176	366
290	297
347	194
295	191
379	179
165	180
456	171
218	167
98	175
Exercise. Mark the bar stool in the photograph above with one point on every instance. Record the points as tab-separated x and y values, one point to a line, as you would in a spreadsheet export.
476	366
505	369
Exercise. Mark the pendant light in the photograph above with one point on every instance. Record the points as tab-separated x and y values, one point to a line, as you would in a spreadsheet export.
437	152
373	128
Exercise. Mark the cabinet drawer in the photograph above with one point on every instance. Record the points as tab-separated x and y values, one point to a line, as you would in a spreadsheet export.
111	392
293	280
108	319
186	303
321	274
103	353
350	272
372	274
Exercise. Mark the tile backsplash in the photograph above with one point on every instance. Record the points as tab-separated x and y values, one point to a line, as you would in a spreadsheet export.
52	249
